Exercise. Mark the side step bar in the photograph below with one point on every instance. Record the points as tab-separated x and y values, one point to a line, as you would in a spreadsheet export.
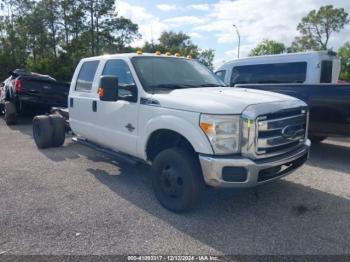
120	156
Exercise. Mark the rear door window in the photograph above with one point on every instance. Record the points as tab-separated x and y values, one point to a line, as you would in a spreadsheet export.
86	76
326	71
269	73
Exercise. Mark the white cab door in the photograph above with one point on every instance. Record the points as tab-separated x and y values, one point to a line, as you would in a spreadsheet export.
81	101
117	122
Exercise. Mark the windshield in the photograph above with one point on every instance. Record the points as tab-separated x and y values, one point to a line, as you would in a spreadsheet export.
163	74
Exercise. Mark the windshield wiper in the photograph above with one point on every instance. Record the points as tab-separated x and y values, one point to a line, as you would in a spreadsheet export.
163	87
170	86
210	85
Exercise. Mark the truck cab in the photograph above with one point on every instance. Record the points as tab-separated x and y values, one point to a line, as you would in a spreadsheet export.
174	114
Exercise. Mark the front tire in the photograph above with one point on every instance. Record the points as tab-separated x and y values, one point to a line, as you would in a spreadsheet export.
177	179
10	113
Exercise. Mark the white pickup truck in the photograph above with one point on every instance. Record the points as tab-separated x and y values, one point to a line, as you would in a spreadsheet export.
173	113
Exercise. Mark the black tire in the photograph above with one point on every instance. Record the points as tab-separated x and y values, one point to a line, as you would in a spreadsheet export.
10	114
177	179
59	130
42	131
317	139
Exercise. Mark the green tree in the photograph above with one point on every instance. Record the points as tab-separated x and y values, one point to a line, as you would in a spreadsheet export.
317	27
117	34
206	57
107	32
180	42
72	19
171	40
51	36
268	47
13	42
344	54
97	13
51	16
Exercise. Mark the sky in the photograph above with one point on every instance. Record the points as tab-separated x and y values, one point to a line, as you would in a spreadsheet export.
210	22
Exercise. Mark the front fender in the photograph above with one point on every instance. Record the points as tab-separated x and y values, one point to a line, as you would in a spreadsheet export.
187	128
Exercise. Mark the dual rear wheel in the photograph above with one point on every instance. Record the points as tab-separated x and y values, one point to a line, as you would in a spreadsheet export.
48	131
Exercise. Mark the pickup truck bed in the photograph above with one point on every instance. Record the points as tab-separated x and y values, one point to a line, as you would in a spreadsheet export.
43	92
329	105
26	92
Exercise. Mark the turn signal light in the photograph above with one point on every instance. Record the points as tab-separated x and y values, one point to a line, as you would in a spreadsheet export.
208	128
101	92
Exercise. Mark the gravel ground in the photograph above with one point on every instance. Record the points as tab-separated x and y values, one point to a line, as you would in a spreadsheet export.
73	200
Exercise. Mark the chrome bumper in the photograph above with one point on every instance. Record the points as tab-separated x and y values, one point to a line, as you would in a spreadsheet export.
255	172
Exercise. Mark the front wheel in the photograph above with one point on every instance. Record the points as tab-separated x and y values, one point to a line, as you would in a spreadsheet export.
10	113
177	179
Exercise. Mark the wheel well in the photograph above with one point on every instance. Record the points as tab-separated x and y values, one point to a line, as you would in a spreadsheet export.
164	139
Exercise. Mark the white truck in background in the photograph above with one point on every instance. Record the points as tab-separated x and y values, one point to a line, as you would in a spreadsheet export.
309	76
174	114
314	67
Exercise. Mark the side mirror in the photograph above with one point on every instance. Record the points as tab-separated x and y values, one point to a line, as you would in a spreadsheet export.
108	89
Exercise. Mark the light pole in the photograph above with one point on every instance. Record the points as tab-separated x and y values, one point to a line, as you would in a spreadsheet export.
239	39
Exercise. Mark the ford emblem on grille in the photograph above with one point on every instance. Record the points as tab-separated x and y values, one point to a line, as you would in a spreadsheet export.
290	132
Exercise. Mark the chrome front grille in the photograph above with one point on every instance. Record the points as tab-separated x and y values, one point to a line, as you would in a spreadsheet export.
281	132
273	129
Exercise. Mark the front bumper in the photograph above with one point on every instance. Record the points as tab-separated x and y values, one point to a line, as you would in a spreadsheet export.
243	172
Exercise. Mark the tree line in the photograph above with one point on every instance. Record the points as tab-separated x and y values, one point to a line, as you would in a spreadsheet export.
51	36
315	30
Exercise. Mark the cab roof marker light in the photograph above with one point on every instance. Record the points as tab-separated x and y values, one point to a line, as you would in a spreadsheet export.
177	54
139	52
157	53
189	57
168	53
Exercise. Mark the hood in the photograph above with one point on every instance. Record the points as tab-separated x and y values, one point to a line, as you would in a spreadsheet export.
218	100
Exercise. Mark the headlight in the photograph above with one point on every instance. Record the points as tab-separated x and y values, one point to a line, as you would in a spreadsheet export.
223	132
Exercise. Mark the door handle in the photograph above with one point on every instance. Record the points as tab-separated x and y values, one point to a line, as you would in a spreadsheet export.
94	106
71	102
